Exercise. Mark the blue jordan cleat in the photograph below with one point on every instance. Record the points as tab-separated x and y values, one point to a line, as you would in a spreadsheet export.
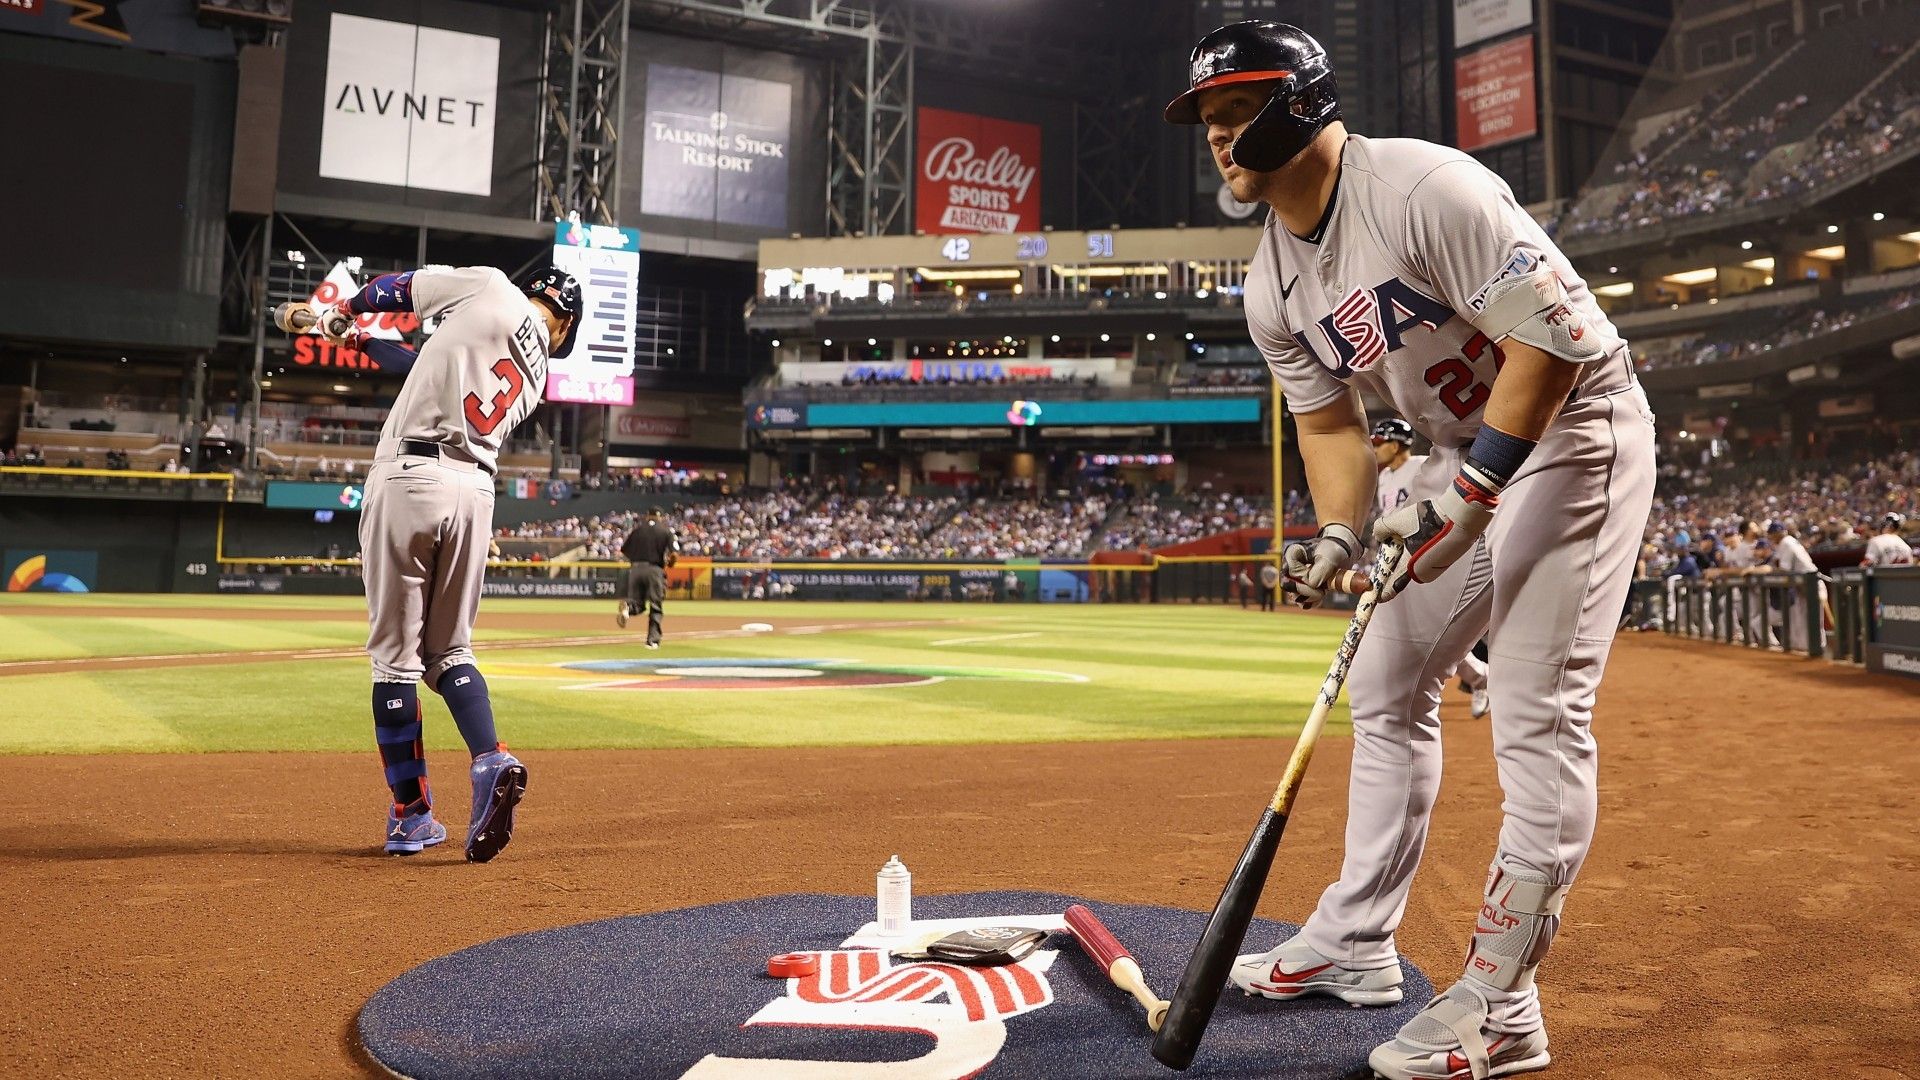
499	780
410	834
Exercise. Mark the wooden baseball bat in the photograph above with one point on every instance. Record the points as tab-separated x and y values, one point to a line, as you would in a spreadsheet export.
1118	962
1352	582
1178	1039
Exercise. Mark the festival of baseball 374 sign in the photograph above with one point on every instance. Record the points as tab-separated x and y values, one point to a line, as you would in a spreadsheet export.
976	174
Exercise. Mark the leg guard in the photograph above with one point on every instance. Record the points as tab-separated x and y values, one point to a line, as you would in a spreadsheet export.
1519	915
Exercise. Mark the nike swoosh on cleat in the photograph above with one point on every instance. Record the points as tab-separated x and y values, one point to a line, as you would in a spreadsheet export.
1295	979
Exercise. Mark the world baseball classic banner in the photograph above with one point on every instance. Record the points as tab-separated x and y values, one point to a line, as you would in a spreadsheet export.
976	174
1893	629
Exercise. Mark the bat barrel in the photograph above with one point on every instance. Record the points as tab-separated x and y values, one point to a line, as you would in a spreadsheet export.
1095	936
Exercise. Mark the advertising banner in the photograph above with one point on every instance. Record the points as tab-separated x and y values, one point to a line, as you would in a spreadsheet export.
409	106
1494	97
51	571
605	260
1893	630
976	174
1478	20
304	495
749	582
652	428
715	147
777	416
1104	370
156	27
563	588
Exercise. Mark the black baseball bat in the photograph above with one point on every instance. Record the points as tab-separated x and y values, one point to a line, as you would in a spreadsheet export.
1178	1039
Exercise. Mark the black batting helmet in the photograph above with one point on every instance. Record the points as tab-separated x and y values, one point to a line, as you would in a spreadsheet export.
1393	429
557	289
1306	100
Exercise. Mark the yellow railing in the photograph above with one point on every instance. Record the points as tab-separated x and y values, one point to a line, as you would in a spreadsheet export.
121	474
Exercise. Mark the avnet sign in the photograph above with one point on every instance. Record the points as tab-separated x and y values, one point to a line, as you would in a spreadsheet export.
411	106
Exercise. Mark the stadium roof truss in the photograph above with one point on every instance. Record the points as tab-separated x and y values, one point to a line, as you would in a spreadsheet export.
582	111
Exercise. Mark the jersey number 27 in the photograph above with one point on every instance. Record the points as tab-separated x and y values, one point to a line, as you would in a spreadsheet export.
1454	379
484	418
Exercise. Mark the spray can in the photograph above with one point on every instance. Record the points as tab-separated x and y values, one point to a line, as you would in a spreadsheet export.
894	886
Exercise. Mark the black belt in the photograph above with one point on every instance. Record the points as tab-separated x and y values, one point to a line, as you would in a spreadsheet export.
419	448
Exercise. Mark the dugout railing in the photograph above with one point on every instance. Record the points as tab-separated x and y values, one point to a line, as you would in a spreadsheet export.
1806	614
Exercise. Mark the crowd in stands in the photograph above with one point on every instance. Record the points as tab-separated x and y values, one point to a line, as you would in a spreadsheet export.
26	456
1020	528
1719	171
1224	376
1829	507
1777	332
962	373
1155	521
663	481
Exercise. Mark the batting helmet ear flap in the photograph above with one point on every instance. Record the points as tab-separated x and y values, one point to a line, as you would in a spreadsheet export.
1301	107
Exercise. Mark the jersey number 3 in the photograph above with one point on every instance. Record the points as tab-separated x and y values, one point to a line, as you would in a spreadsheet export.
485	418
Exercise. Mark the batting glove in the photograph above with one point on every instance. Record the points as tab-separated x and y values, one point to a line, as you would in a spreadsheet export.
1434	533
336	324
1310	565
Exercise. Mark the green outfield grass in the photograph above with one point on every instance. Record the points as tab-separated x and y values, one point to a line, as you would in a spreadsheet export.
1074	673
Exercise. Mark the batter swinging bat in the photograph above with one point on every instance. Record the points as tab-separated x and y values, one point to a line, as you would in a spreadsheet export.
1118	962
1201	983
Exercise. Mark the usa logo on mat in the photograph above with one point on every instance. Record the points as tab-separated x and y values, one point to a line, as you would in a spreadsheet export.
685	993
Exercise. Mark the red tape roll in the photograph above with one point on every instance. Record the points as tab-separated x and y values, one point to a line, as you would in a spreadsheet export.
793	965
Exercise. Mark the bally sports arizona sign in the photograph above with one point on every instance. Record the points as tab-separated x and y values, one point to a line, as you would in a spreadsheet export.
976	174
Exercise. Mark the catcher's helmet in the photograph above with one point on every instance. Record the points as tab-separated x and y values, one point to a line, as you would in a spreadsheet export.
557	289
1393	429
1893	520
1305	101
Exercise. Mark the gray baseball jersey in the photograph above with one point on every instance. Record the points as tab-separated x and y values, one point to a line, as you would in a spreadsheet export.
483	371
427	520
1387	299
1395	486
1888	550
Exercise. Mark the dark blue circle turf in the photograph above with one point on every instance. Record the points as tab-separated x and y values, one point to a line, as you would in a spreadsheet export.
652	995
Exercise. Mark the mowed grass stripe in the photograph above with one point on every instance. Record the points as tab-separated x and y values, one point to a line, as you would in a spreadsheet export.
1152	673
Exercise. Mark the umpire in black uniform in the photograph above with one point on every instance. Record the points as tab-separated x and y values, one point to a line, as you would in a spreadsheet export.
650	548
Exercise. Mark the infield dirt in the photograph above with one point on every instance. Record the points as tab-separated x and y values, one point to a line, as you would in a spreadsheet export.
1746	912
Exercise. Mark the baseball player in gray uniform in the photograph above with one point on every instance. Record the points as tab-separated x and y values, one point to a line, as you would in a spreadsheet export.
1408	269
1399	468
1889	548
428	517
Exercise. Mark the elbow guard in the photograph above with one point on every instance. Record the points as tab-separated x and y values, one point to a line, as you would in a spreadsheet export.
1534	308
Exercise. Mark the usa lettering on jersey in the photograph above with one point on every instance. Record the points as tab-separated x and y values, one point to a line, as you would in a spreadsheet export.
1370	324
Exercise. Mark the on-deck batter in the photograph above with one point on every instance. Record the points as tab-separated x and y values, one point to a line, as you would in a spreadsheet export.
1889	548
428	518
1408	269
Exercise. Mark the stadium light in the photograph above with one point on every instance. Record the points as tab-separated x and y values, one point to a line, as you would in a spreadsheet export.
1911	237
1189	335
1831	254
339	388
1693	277
1007	274
871	341
1618	288
1103	337
1763	263
828	343
1879	216
1831	229
776	343
1056	339
1746	245
1200	294
1149	337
